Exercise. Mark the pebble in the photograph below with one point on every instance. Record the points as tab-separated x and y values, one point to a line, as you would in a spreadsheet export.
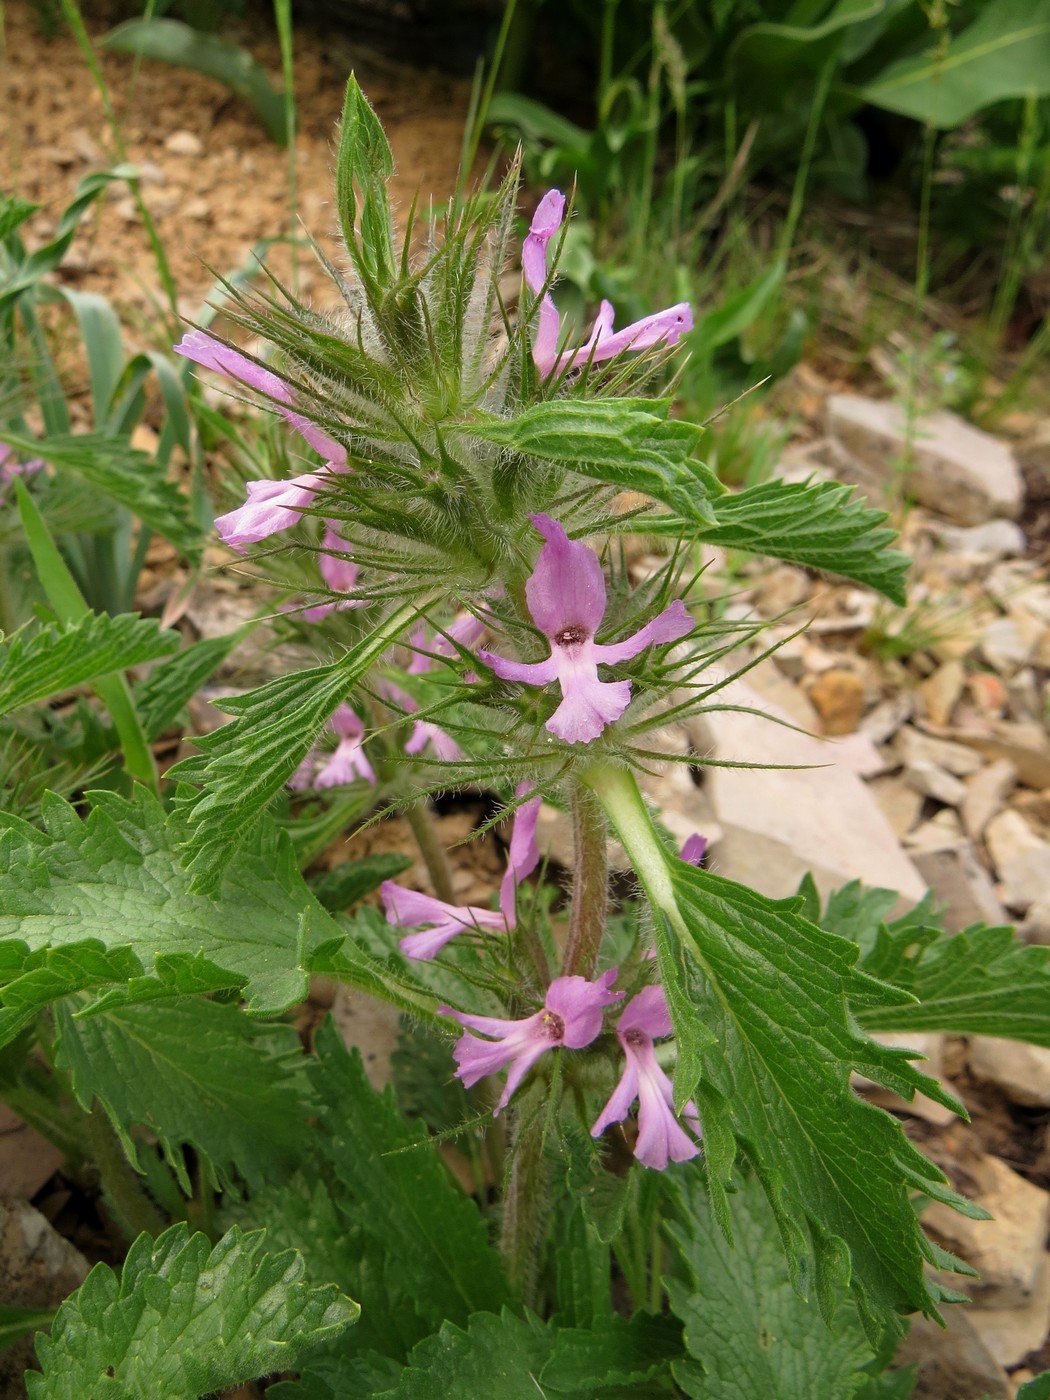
838	695
198	209
913	746
988	693
931	781
184	143
941	691
1007	643
1011	1333
996	539
962	886
1021	859
986	794
883	722
1021	1070
781	589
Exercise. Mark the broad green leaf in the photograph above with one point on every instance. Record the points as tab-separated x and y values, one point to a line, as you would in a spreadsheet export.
747	1331
767	61
185	1319
584	1291
344	885
764	1004
161	697
248	761
423	1252
102	901
47	662
193	1072
627	443
122	472
171	41
822	525
103	348
16	1323
518	1358
1004	52
893	1385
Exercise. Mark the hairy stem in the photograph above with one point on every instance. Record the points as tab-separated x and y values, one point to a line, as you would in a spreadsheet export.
527	1207
134	1209
590	884
431	849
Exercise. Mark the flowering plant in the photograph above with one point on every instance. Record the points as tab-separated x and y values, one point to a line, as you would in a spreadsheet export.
593	1101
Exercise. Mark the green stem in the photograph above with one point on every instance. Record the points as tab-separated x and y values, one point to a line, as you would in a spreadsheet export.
527	1206
590	887
431	849
617	791
134	1209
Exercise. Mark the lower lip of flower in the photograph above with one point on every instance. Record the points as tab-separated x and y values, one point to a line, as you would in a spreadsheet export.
553	1026
571	636
635	1037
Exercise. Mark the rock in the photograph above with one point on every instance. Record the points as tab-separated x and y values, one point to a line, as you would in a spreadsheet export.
27	1160
781	589
988	693
778	824
773	686
372	1027
1027	702
184	143
39	1269
941	691
996	539
986	794
839	699
1036	925
954	1363
1021	1070
900	804
913	746
883	722
941	833
1008	642
1011	1333
1024	744
1009	1249
1021	859
150	173
960	471
962	884
198	209
930	780
929	1051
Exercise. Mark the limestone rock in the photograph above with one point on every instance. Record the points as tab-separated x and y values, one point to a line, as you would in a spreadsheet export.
995	539
1010	1333
913	746
1008	1251
39	1269
27	1160
372	1027
900	804
1021	859
941	691
954	1363
883	722
184	143
1021	1070
961	884
932	781
960	471
986	794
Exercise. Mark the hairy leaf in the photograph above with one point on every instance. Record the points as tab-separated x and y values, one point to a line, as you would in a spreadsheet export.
193	1071
161	697
247	762
47	662
747	1330
186	1319
341	887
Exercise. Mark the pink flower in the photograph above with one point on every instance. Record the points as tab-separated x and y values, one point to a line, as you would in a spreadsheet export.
271	506
347	762
407	908
662	328
692	851
338	572
9	468
571	1016
660	1136
466	631
566	597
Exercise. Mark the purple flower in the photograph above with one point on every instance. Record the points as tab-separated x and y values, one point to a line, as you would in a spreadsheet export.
271	506
571	1016
347	762
9	469
338	572
204	350
661	1137
566	597
662	328
466	631
692	851
408	908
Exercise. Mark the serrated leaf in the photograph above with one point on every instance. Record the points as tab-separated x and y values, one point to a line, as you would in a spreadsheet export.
193	1072
186	1319
424	1255
763	1005
51	660
822	525
103	900
160	698
628	443
747	1331
122	472
245	763
345	884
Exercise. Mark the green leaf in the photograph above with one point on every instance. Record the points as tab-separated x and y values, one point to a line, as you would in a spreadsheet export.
171	41
161	697
364	159
763	1004
423	1250
193	1072
16	1323
344	885
247	762
103	900
747	1331
1038	1388
734	315
1004	53
49	661
13	214
822	525
627	443
122	472
518	1358
186	1319
767	61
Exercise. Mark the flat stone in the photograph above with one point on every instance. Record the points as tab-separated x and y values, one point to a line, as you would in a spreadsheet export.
838	696
778	824
184	143
1024	744
900	804
942	691
883	721
958	470
39	1269
781	589
1021	859
988	693
995	539
942	832
1008	1250
1011	1333
1036	925
954	1363
1021	1070
913	746
1026	695
986	794
961	884
27	1160
1008	642
371	1026
932	781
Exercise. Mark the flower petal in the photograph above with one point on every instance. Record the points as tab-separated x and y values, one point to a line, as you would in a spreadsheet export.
587	707
523	856
548	218
271	506
662	328
646	1013
580	1003
692	851
530	672
620	1100
566	587
668	626
339	572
